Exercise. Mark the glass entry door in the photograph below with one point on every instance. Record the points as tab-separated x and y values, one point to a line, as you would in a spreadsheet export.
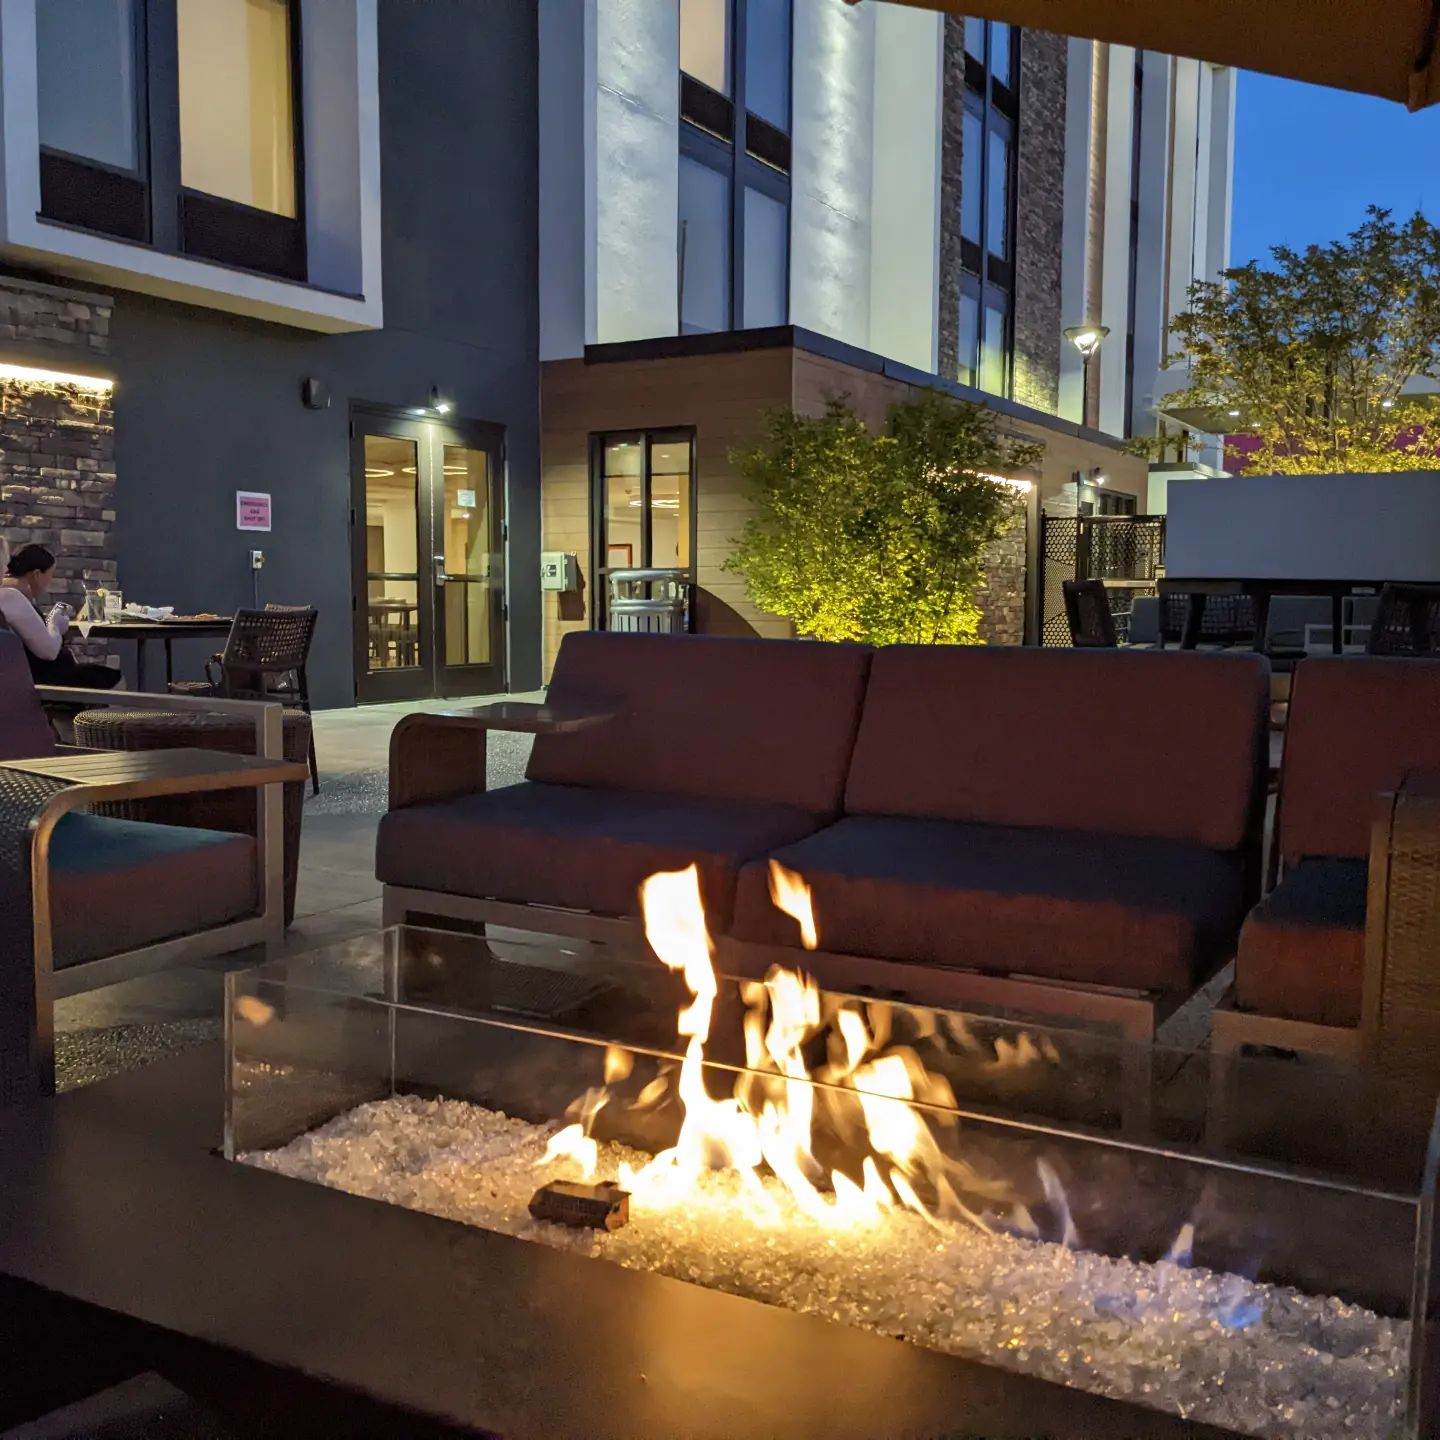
428	545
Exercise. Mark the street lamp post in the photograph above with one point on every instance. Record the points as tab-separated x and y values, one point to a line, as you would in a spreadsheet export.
1086	339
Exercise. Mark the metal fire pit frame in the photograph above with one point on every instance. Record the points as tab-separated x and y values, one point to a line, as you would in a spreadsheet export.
132	1244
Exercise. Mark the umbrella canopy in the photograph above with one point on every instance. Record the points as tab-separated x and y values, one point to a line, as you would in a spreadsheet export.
1378	47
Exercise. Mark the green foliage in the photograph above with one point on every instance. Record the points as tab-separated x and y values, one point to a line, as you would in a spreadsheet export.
1315	350
876	537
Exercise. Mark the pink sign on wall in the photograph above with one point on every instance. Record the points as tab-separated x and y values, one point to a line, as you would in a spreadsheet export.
252	510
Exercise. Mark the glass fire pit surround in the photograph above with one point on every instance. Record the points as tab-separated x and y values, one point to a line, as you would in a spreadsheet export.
833	1155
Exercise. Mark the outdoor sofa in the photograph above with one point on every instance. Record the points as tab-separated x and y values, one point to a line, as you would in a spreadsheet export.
1051	831
86	898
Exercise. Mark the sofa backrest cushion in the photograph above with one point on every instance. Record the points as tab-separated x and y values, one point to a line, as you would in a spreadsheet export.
765	721
24	730
1168	745
1357	726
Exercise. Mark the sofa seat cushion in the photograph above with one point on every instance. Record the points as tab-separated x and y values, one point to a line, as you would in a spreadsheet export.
117	885
1092	909
579	848
1302	951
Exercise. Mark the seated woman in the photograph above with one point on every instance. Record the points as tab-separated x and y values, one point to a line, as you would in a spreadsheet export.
28	575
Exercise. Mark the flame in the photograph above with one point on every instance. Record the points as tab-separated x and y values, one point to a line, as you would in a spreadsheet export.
572	1143
791	895
878	1098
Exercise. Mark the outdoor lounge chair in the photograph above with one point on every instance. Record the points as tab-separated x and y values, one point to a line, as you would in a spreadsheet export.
1342	957
87	899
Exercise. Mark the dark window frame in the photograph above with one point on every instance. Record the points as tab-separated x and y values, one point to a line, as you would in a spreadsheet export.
985	275
646	439
149	205
753	153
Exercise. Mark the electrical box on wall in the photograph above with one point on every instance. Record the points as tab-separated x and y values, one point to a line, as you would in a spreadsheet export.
559	570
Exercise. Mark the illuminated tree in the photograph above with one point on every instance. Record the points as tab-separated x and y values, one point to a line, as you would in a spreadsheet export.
877	537
1311	355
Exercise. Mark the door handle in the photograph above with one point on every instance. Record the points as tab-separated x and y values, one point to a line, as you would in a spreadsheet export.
439	569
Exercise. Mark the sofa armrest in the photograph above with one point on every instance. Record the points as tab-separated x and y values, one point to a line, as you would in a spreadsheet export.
441	755
1400	1012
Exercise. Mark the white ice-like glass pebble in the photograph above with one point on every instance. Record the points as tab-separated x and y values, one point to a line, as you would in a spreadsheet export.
1260	1359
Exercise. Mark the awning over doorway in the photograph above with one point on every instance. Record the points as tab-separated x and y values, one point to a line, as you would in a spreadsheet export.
1378	47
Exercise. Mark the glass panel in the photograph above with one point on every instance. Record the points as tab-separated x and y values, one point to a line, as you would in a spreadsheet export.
705	42
969	338
466	531
997	188
237	121
767	60
85	63
1134	1216
993	367
670	503
975	38
704	248
1000	51
623	503
767	247
392	553
972	160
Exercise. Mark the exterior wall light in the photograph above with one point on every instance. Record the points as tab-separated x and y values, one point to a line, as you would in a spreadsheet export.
439	405
29	375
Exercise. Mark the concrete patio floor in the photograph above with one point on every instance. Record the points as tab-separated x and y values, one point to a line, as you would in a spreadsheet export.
338	899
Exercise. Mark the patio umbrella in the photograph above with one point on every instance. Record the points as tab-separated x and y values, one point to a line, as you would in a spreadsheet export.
1378	47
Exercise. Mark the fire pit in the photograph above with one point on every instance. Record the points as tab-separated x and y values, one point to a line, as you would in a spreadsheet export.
837	1157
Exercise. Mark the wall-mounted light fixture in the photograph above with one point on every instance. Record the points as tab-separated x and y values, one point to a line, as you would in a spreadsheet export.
28	374
438	403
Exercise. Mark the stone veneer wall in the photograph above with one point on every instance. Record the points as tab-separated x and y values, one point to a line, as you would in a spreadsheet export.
1039	211
1001	596
1040	220
57	441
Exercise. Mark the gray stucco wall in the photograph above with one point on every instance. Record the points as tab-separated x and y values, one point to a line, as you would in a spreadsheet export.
207	404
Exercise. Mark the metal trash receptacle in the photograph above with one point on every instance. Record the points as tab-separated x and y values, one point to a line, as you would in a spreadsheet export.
656	602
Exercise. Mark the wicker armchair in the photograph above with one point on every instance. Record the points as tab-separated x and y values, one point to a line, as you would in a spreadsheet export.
1087	608
1407	621
87	899
264	658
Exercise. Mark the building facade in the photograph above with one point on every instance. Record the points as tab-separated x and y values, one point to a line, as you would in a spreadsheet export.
881	193
283	247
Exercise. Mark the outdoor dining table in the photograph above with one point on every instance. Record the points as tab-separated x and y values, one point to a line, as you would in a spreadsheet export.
1262	591
166	631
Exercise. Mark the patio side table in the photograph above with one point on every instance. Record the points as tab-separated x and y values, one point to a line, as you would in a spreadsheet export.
233	811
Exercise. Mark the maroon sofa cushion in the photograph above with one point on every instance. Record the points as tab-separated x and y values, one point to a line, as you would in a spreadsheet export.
1302	951
1093	909
1357	726
99	865
585	849
24	730
766	722
1169	746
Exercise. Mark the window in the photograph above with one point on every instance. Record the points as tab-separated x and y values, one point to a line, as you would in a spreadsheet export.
705	42
644	502
734	222
175	123
767	260
704	248
237	118
987	206
88	91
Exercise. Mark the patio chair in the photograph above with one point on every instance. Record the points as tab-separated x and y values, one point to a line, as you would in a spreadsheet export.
1226	621
1406	622
1087	608
88	899
264	658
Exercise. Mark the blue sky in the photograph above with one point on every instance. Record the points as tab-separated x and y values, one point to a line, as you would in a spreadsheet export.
1309	160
